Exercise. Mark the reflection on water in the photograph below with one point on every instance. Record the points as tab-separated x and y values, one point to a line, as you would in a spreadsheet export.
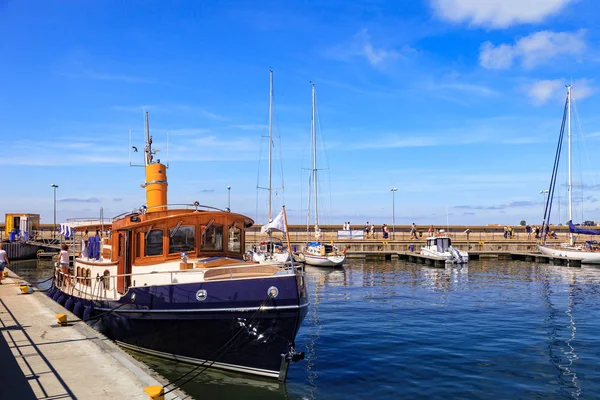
383	330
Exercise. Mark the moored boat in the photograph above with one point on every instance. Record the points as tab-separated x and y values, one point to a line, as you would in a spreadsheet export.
173	282
441	246
588	252
271	249
317	253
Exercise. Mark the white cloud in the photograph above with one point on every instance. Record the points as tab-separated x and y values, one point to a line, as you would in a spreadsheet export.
374	55
541	91
362	46
497	13
533	50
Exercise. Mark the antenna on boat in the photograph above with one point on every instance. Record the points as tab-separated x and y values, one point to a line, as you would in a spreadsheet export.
167	149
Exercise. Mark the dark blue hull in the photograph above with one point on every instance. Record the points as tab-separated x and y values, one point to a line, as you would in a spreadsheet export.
234	324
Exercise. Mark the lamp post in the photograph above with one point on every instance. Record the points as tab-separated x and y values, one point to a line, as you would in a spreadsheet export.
54	186
544	192
393	190
228	198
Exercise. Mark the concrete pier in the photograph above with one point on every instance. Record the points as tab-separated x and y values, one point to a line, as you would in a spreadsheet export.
41	360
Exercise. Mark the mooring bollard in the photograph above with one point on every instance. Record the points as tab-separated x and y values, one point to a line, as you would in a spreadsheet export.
25	289
155	392
62	319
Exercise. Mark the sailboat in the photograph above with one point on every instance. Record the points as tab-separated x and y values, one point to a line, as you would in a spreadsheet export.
317	253
272	249
588	252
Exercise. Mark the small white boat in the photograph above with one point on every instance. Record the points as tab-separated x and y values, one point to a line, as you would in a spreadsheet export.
441	246
323	255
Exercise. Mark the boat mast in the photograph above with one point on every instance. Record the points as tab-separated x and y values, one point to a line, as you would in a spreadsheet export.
314	145
570	183
270	142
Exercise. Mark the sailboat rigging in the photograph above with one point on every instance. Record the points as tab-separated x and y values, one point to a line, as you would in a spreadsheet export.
272	249
589	252
317	253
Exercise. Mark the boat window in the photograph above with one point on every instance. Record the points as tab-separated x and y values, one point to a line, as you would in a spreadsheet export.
106	279
212	237
181	238
234	239
138	241
154	243
88	277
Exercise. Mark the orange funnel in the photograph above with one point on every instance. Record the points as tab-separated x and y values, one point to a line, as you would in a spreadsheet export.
156	187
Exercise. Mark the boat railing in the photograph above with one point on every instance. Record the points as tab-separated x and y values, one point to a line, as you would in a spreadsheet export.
105	286
87	221
142	210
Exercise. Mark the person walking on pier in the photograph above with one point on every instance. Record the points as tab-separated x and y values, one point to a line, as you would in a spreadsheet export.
3	262
413	231
528	230
430	230
385	231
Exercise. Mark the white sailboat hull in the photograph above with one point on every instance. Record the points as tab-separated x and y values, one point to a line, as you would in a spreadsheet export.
263	258
586	256
324	261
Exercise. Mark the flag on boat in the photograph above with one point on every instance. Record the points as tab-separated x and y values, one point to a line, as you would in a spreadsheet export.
275	225
66	230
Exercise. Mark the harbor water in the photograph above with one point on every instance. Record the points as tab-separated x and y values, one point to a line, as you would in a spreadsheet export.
381	330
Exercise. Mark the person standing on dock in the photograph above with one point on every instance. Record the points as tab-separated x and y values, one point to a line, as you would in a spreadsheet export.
3	262
385	231
528	230
64	260
372	231
430	230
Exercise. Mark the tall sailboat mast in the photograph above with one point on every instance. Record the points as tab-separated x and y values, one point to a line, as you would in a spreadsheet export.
570	183
314	143
270	143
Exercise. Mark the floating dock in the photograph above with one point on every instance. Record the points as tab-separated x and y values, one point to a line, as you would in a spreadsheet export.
41	360
440	262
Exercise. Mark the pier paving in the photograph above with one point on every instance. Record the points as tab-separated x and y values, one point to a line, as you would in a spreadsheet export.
40	360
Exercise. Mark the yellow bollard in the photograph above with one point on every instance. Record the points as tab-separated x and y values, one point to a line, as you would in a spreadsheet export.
5	274
24	289
155	392
62	319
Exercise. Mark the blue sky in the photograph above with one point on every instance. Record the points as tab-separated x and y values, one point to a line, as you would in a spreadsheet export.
457	103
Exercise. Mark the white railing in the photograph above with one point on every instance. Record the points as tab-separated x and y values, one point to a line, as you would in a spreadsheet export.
96	287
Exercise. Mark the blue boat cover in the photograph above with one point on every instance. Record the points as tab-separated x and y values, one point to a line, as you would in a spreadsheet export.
584	231
94	247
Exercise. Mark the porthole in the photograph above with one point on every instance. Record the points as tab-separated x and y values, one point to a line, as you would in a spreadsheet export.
273	292
201	295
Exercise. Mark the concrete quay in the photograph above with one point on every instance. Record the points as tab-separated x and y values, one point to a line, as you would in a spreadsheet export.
41	360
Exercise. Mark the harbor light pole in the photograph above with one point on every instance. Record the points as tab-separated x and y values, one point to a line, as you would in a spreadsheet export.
54	186
544	192
228	198
393	190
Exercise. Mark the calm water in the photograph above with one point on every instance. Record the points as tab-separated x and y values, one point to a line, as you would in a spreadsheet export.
381	330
